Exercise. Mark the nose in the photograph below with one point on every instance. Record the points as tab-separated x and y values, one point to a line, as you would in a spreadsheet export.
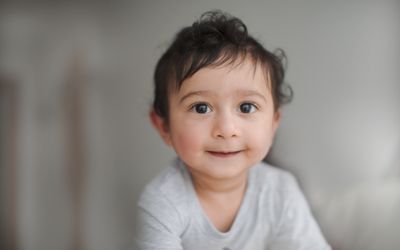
225	126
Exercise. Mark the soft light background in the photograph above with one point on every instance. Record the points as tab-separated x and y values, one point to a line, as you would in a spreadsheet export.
75	175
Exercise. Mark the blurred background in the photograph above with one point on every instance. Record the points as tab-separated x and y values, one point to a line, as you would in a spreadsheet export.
76	145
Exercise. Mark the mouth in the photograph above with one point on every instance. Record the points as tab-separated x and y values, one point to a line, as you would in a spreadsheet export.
223	154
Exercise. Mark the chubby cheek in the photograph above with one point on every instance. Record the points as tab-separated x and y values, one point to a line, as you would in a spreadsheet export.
261	143
187	142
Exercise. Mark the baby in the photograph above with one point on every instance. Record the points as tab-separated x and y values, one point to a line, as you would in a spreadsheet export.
218	94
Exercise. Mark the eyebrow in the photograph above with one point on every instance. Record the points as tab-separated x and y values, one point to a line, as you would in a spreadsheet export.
245	93
194	93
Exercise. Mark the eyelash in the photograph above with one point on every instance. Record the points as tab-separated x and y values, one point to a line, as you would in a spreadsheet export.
209	109
253	105
193	107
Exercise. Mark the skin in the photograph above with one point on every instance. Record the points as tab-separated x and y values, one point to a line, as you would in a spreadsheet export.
222	122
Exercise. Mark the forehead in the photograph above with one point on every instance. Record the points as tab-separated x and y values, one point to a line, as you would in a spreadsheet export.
242	73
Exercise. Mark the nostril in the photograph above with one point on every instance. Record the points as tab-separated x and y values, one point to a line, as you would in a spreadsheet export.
225	129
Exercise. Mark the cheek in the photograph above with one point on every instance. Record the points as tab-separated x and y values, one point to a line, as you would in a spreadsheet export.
261	145
261	140
187	140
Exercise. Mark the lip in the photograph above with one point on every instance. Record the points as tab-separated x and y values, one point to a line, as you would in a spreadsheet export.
222	154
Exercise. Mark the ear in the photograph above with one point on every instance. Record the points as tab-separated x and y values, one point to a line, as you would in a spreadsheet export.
276	121
161	126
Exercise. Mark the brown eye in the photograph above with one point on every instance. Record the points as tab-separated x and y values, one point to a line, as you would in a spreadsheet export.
247	108
201	108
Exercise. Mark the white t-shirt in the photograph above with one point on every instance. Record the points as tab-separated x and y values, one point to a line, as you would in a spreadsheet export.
273	215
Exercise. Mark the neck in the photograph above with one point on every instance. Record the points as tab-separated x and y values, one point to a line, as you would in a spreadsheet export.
220	199
206	186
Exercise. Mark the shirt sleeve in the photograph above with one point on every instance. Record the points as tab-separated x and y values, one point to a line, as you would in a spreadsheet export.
297	228
158	224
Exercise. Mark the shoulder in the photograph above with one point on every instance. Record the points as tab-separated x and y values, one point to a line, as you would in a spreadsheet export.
287	209
274	189
165	197
268	177
168	181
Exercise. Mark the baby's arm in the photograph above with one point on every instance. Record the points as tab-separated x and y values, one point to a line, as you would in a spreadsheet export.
158	224
297	228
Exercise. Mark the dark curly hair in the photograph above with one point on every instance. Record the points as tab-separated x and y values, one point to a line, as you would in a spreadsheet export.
217	38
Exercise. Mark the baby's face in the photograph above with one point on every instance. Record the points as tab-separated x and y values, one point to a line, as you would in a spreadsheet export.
222	120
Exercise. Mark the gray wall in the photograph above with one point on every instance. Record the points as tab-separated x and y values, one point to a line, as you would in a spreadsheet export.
340	136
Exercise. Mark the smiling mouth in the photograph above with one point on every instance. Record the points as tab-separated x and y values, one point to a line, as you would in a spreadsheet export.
224	154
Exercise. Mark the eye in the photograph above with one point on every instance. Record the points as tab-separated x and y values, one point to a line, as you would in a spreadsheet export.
247	107
201	108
